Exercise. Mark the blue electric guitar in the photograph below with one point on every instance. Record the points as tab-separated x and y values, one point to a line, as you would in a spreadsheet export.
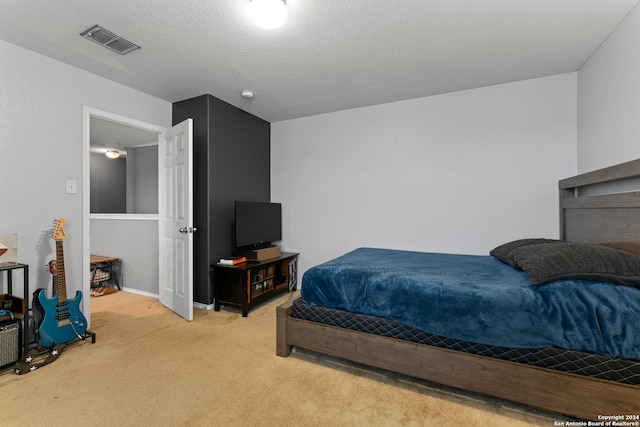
62	321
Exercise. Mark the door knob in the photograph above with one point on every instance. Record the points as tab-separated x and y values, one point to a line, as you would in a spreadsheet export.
184	230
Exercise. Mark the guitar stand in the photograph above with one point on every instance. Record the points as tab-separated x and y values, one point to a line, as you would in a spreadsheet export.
35	358
88	334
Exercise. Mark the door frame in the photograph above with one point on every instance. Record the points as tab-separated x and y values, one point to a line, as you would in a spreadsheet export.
87	114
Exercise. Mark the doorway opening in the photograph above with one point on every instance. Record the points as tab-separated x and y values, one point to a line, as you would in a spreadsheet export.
121	219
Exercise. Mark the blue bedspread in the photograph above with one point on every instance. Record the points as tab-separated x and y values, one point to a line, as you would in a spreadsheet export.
479	299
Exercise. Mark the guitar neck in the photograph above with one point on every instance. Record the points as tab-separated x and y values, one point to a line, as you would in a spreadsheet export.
60	276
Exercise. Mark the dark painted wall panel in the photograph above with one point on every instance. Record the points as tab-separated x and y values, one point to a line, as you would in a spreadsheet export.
231	162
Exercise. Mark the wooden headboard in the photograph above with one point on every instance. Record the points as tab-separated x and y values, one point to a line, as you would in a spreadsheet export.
603	207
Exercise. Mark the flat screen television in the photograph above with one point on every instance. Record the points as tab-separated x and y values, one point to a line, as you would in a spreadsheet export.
258	224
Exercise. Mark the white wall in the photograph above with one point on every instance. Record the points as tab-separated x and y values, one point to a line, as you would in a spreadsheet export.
41	124
609	99
459	173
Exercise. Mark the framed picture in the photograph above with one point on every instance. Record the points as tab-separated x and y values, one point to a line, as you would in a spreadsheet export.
8	249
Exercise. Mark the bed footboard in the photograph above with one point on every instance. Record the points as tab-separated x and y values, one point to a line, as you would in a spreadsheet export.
283	312
560	392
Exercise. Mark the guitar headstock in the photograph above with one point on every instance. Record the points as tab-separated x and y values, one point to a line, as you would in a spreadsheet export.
58	232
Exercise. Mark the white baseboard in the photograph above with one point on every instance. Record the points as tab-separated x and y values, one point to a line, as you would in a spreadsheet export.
139	292
197	305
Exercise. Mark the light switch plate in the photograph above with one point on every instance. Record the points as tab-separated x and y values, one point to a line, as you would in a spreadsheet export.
71	186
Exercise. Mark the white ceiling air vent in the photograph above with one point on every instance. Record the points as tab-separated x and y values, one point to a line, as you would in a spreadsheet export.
109	40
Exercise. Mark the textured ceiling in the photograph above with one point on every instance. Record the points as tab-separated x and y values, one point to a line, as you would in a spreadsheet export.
108	135
330	55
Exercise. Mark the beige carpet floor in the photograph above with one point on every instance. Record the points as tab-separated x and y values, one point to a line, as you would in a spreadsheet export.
149	367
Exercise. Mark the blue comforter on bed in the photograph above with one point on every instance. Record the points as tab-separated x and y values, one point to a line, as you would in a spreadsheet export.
479	299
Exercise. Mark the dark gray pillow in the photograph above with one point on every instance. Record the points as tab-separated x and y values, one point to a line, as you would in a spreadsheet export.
546	262
504	251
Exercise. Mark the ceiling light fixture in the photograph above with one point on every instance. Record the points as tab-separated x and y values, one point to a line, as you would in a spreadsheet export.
247	94
269	14
112	154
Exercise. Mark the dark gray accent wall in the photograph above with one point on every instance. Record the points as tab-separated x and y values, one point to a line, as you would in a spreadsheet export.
108	184
142	180
125	185
231	161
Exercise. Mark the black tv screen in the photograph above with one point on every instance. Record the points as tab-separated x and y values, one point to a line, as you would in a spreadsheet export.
258	224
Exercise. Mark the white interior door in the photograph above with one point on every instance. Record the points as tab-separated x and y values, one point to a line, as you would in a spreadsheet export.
176	218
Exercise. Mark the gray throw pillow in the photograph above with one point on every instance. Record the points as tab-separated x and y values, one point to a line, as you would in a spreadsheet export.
546	262
505	251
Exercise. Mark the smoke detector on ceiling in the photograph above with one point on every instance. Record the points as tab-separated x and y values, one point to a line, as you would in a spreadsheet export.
109	40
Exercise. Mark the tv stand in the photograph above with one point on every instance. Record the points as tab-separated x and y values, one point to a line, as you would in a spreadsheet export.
247	285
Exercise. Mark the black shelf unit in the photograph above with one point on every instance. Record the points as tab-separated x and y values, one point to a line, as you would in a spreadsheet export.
25	283
249	284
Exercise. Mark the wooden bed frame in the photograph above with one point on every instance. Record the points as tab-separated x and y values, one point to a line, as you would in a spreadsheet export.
610	219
